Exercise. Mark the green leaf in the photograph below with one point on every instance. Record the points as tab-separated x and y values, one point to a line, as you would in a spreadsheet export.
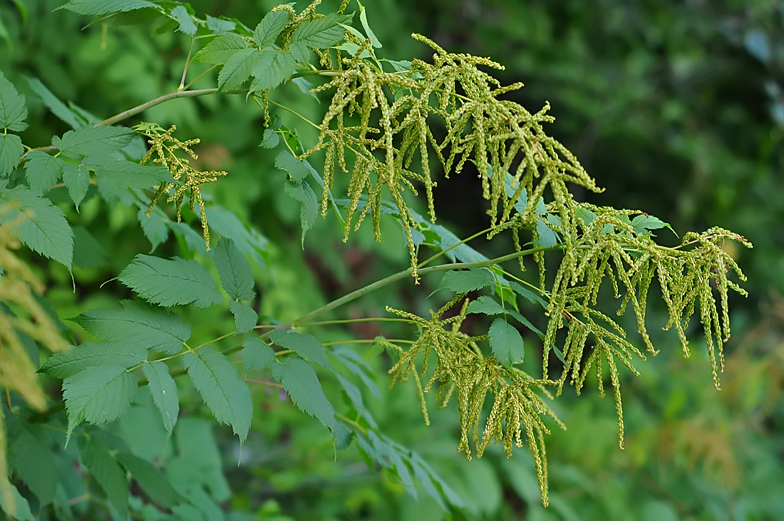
154	226
489	306
31	455
322	32
302	385
180	13
220	26
245	317
271	139
106	471
150	479
170	282
115	177
13	110
256	355
68	363
220	49
88	253
506	343
77	179
20	509
270	27
57	107
93	141
445	240
355	397
164	393
42	171
363	19
237	69
302	192
234	270
222	388
297	170
643	223
527	294
102	7
547	238
98	395
463	281
147	327
44	228
247	239
272	69
307	346
11	151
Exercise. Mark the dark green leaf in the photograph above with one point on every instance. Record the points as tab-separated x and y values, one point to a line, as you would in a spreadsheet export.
102	7
147	327
307	346
164	393
322	32
355	397
302	385
270	27
20	509
77	179
13	110
106	471
489	306
464	281
245	317
222	388
645	222
247	239
527	294
272	69
44	228
11	151
234	270
219	26
219	50
237	69
68	363
57	107
32	458
256	355
297	170
88	253
271	139
93	141
506	343
42	171
152	481
302	192
127	174
180	13
154	226
170	282
445	240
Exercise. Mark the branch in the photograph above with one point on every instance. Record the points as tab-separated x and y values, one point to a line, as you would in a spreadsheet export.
166	97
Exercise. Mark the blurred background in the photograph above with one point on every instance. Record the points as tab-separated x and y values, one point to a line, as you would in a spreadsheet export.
674	107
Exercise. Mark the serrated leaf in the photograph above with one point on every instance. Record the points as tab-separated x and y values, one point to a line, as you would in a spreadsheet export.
89	354
220	49
98	395
44	228
445	240
302	385
220	26
355	397
13	109
245	317
353	362
180	13
547	238
164	393
297	170
31	456
170	282
154	226
42	171
57	107
307	346
77	179
247	239
308	211
364	21
527	294
234	270
271	139
86	141
88	253
271	69
11	151
237	69
107	472
127	174
147	327
489	306
222	388
150	479
506	343
643	223
256	355
270	27
322	32
102	7
464	281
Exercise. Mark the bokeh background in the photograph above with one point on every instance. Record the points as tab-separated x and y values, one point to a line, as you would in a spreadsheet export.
675	107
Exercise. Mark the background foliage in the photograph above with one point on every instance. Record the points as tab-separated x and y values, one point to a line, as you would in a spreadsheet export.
676	108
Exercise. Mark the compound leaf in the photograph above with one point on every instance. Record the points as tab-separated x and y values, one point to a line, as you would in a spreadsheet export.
256	355
222	388
220	49
42	171
77	179
170	282
464	281
11	151
106	471
93	141
164	393
13	109
506	343
234	270
152	481
270	27
301	383
89	354
307	346
245	317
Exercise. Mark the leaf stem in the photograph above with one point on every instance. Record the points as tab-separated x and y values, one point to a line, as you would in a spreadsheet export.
157	101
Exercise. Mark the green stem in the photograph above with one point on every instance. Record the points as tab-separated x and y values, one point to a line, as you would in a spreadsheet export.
157	101
348	321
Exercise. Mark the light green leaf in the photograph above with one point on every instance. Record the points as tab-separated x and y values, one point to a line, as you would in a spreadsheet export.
220	49
237	69
11	151
585	215
152	481
57	107
13	110
302	192
307	346
256	355
506	343
93	141
68	363
164	393
297	170
643	223
102	7
270	27
222	388
77	179
20	509
220	26
489	306
154	226
44	229
88	253
180	13
106	471
463	281
127	174
42	171
234	270
547	238
98	395
527	294
170	282
271	139
445	240
245	317
355	397
302	385
272	69
363	19
322	32
30	453
147	327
